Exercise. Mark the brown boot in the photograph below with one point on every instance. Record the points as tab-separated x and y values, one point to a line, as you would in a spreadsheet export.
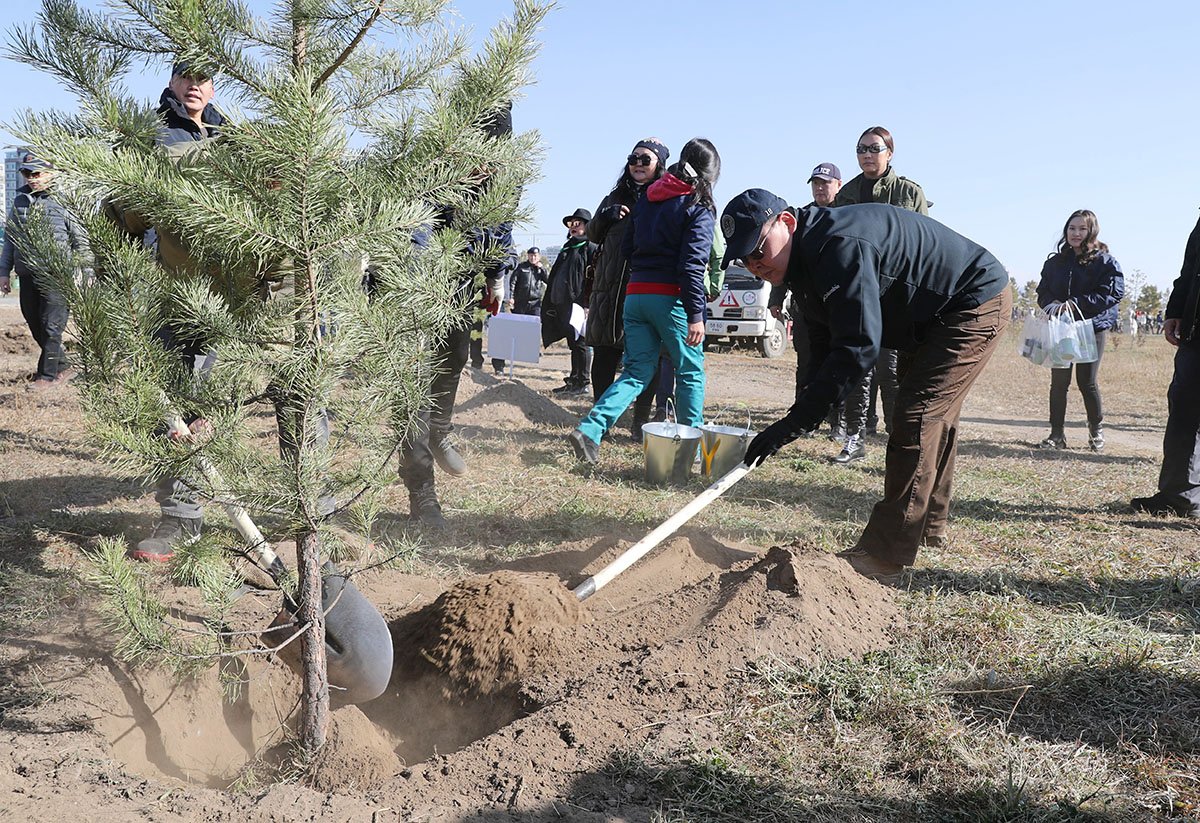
868	565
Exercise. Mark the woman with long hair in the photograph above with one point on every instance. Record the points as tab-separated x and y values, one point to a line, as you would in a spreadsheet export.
1081	272
604	291
667	245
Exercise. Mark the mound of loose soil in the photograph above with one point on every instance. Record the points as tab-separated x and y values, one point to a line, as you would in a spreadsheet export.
506	403
356	754
486	634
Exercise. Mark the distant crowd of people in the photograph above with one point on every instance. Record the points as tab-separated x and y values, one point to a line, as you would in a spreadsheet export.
885	303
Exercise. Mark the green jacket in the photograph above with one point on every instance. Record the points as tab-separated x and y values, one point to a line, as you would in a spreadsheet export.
891	189
714	278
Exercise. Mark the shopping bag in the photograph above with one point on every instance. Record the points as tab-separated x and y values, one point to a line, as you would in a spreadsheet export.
1034	341
1072	339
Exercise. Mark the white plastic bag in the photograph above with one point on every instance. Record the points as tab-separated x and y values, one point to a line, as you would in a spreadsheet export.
1071	339
1034	343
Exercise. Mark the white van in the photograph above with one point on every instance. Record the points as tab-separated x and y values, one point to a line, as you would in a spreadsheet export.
740	315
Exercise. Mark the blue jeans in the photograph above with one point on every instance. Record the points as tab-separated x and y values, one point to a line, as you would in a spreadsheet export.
652	322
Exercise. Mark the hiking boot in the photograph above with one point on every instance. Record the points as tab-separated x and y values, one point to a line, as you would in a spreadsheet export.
1160	504
570	384
586	449
169	533
640	418
868	565
1053	442
1096	437
446	456
424	508
853	451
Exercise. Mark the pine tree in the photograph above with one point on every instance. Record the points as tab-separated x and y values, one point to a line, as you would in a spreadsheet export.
351	124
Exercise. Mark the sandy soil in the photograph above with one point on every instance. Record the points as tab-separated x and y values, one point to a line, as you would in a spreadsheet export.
507	695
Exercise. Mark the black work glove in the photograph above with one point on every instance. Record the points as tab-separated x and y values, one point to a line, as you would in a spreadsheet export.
773	438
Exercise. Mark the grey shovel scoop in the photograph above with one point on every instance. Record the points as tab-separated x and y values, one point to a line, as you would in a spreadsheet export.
358	646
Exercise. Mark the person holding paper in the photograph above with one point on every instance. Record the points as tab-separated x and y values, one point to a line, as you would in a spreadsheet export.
562	316
1081	272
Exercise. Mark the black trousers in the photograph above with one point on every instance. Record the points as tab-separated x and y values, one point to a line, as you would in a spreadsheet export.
1179	478
1085	378
46	313
416	460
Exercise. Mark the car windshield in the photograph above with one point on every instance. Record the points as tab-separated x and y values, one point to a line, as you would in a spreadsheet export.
737	277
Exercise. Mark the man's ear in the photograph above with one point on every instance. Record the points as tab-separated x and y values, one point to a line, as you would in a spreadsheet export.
788	219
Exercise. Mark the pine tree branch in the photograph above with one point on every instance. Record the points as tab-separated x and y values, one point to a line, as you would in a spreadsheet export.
351	46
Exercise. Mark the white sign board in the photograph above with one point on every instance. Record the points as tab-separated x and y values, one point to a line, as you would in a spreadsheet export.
515	337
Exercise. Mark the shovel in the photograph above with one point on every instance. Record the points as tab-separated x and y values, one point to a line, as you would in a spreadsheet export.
639	549
358	646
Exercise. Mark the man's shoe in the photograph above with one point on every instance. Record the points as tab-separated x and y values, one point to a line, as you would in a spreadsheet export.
1159	504
852	451
446	456
169	533
1053	442
640	418
868	565
570	384
837	433
1096	438
586	449
424	508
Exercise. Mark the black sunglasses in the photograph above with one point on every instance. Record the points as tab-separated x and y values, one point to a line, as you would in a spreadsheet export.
878	148
640	159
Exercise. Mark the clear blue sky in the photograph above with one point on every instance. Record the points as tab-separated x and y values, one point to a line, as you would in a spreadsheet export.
1010	115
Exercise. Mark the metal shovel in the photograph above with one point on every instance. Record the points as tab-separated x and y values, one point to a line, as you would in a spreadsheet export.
358	646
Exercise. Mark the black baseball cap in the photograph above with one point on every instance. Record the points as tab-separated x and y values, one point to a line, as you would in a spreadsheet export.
184	68
534	250
743	219
30	163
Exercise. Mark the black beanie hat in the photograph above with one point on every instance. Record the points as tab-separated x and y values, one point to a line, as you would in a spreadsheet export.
655	145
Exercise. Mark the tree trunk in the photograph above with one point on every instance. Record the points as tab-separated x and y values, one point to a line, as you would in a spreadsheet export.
314	705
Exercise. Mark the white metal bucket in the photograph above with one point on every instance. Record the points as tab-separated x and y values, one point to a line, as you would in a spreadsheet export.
722	448
670	451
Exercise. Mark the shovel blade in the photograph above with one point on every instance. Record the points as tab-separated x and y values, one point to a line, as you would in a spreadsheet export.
358	645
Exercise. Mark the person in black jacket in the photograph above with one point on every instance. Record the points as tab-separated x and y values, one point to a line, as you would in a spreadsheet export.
869	276
43	304
1179	477
1083	273
528	284
604	291
563	297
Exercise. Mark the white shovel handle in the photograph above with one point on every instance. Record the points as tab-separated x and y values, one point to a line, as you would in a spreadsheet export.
258	544
639	549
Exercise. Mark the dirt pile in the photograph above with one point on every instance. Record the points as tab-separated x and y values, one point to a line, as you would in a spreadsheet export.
486	634
356	756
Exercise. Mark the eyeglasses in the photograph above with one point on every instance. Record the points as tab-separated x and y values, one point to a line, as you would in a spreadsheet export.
640	159
757	253
878	148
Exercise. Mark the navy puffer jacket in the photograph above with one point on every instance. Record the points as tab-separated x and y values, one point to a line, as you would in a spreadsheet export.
1096	286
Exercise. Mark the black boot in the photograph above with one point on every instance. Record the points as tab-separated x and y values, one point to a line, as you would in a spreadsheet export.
641	416
424	508
1096	436
169	533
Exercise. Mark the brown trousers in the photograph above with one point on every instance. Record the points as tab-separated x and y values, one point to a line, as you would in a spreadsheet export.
919	468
